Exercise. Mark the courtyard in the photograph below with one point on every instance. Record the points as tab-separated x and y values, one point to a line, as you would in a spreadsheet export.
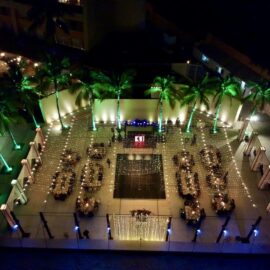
250	203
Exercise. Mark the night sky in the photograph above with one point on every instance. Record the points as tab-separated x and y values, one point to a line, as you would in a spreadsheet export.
242	23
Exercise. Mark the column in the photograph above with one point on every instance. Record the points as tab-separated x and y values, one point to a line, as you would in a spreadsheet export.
250	144
41	136
242	131
257	160
33	146
6	213
16	184
25	163
265	179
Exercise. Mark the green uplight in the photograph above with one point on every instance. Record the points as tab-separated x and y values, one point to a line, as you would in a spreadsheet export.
17	146
7	167
65	127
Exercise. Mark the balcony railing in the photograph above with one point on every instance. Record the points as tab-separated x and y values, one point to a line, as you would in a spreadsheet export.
71	2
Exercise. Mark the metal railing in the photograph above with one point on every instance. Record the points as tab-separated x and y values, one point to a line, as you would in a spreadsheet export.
64	230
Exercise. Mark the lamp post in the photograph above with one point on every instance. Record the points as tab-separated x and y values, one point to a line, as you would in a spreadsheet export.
168	228
109	227
45	224
18	225
223	229
77	226
197	231
253	229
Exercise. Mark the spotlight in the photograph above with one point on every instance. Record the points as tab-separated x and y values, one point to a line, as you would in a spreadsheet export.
256	232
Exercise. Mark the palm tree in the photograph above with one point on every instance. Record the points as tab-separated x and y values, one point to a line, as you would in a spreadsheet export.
113	86
53	75
196	94
8	116
48	14
87	92
29	97
260	94
165	87
224	87
26	92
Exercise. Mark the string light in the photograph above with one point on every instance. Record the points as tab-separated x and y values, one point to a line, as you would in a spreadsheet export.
239	177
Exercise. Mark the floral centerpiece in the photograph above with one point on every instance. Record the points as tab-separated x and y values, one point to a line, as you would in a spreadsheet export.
140	214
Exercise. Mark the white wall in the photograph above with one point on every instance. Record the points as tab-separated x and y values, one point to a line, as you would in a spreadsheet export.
229	111
130	109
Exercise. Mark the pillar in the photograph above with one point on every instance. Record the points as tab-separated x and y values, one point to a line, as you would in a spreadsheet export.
41	136
265	179
250	144
33	146
6	213
242	131
16	184
25	163
258	159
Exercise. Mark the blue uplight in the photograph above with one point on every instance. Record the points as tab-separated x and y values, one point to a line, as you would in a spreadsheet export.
15	227
199	231
76	228
256	232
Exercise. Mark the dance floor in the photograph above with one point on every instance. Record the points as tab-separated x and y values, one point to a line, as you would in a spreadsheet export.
139	177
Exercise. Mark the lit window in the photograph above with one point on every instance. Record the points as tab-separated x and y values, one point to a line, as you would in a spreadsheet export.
205	58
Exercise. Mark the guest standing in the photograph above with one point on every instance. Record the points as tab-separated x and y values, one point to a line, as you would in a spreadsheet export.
109	162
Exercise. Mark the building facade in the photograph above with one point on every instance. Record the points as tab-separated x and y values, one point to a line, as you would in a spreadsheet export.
88	20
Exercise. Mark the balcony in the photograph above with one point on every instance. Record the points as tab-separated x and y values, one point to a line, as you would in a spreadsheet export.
71	2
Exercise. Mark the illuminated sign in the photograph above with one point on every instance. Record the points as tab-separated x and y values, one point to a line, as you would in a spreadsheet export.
139	138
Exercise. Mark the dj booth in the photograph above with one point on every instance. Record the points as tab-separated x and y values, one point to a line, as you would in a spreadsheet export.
140	137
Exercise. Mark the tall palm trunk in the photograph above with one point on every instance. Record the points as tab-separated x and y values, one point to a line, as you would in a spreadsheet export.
118	112
92	121
191	117
216	118
160	115
57	104
35	121
7	167
16	146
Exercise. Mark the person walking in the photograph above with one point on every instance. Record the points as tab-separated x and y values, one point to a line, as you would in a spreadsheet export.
86	234
109	162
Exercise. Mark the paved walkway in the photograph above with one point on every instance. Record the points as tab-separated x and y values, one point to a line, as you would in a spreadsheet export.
242	186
